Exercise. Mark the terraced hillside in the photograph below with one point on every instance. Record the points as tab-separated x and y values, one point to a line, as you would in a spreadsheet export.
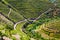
29	19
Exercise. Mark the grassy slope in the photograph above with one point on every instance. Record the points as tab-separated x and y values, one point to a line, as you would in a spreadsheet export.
29	8
15	16
20	32
4	9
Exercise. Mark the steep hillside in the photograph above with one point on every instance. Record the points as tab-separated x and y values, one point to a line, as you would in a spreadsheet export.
29	19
